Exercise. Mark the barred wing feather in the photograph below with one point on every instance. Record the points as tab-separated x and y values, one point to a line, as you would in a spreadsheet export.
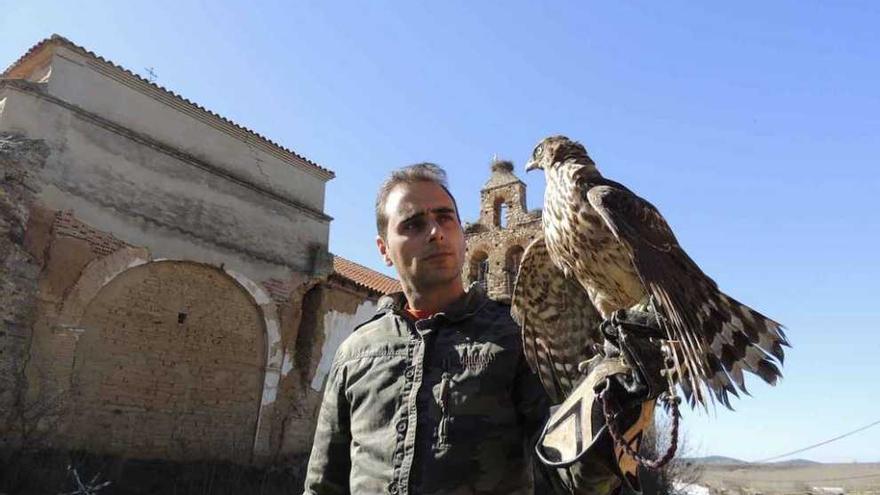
559	323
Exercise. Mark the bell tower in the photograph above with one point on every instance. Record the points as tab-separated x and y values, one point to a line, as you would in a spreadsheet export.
503	197
496	242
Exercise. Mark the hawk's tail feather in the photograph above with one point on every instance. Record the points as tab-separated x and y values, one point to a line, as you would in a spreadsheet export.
781	330
768	371
736	338
739	338
771	337
688	391
758	339
691	349
736	373
721	381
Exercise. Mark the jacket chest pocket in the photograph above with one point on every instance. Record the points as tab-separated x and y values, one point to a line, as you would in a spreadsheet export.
474	386
473	360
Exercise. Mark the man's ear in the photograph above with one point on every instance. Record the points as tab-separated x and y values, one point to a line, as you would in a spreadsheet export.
383	250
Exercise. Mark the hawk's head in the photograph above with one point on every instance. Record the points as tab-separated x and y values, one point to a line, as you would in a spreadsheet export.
555	150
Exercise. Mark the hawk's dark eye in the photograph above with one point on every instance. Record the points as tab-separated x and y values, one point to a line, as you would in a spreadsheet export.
538	150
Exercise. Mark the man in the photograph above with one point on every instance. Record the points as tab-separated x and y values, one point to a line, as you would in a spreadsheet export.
433	394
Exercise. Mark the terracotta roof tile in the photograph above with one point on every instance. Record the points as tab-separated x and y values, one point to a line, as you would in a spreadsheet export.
60	40
364	276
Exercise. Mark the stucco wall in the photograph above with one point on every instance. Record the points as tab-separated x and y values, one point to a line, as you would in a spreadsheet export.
331	312
240	378
152	198
133	210
107	91
19	271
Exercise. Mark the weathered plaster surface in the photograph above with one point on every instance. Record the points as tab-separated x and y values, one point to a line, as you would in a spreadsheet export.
338	326
20	160
157	183
106	91
152	197
286	364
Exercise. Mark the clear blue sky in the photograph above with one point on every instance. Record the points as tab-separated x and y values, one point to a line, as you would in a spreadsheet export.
753	126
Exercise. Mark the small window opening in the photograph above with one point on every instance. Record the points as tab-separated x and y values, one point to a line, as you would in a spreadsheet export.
499	213
479	269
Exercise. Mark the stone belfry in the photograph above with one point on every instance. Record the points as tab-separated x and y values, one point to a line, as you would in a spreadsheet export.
495	243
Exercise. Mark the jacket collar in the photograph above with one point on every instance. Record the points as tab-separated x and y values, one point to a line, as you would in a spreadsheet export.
464	307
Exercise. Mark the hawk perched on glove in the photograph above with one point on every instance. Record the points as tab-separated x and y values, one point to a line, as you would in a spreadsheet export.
605	245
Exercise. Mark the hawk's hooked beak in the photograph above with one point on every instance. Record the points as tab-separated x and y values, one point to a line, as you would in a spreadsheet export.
531	165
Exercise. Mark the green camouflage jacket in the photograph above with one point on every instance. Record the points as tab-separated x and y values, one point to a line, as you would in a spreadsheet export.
446	404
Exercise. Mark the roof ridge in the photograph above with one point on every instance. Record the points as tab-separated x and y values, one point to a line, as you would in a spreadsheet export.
364	276
365	267
61	40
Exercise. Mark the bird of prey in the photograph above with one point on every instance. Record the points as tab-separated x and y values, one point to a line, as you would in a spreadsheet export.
604	248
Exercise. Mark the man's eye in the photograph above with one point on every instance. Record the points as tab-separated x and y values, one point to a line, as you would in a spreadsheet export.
413	226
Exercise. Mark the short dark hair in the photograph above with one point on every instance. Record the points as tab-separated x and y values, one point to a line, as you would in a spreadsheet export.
419	172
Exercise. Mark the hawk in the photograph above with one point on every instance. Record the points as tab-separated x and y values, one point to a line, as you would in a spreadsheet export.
605	248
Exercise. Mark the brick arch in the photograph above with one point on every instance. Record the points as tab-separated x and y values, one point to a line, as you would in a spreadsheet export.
472	265
98	274
515	245
513	255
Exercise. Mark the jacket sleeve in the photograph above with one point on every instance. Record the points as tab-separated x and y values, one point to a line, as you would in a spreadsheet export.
330	460
589	476
532	402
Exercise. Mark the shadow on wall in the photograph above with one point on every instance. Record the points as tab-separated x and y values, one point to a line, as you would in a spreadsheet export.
52	472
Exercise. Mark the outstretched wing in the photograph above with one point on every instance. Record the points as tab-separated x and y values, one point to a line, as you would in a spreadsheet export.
717	336
559	323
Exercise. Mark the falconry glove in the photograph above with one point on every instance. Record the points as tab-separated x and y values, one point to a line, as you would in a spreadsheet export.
624	381
638	339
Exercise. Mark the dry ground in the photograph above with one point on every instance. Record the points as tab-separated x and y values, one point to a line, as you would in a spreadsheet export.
799	479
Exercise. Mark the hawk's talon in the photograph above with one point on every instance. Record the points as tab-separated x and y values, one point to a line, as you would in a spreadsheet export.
584	367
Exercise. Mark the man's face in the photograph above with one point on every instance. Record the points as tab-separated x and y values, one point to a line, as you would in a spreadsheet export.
424	240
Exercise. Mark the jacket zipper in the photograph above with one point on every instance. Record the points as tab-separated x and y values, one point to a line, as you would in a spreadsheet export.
442	429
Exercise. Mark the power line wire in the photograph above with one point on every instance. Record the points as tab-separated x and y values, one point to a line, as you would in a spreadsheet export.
838	437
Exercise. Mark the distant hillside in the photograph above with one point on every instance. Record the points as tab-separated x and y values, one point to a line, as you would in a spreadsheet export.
796	462
715	459
720	460
786	478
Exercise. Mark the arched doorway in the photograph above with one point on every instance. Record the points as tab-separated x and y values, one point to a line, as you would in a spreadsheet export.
478	269
170	364
511	266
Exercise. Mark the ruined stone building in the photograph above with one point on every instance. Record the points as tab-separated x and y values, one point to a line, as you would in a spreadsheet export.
166	289
496	242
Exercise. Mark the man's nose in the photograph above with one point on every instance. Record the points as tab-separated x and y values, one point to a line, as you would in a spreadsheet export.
434	230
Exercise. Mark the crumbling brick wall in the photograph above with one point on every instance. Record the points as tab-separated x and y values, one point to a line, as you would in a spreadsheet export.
82	382
20	159
169	365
